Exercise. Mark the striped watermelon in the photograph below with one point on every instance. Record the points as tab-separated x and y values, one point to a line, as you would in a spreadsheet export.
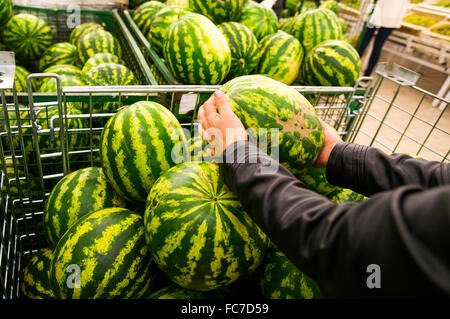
20	78
36	281
6	11
176	292
49	85
197	231
105	74
344	25
262	21
64	69
136	147
281	279
332	63
261	102
341	195
285	24
314	27
219	11
281	57
183	3
331	5
109	248
244	48
59	53
196	51
144	15
161	24
97	41
28	36
76	195
100	58
291	5
316	180
81	30
304	6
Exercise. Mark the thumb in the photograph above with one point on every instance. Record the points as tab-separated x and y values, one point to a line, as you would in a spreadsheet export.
222	103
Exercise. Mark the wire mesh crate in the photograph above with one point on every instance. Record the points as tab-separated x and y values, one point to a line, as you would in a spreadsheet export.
403	119
60	21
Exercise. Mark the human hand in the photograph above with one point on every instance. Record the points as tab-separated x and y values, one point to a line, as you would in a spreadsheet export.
268	3
331	138
220	128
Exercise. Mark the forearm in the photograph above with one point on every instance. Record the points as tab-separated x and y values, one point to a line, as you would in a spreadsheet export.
334	244
368	171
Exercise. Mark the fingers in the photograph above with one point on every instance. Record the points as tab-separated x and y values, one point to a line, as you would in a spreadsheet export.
222	103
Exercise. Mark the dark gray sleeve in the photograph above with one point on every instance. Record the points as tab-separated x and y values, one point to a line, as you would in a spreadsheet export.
368	171
404	232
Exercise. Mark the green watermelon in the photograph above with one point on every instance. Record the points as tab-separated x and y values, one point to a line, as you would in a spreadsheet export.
341	195
304	6
59	53
262	21
105	74
281	279
161	23
64	69
243	46
76	195
197	231
315	179
261	102
20	78
314	27
281	57
344	26
81	30
176	292
219	11
28	36
332	63
100	58
49	85
109	248
144	15
136	148
36	280
285	24
6	11
331	5
196	51
97	41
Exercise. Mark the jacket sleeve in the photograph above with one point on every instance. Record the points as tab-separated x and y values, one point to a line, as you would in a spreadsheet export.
336	243
368	171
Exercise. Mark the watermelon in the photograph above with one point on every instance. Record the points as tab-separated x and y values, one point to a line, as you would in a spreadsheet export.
281	57
331	5
196	51
19	185
219	11
144	15
199	150
281	279
100	58
64	69
6	11
314	27
59	53
176	292
304	6
28	36
81	30
49	85
105	74
77	194
20	78
183	3
261	102
291	5
197	231
161	24
36	280
109	249
315	179
136	148
243	46
285	24
341	195
344	26
97	41
332	63
262	21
